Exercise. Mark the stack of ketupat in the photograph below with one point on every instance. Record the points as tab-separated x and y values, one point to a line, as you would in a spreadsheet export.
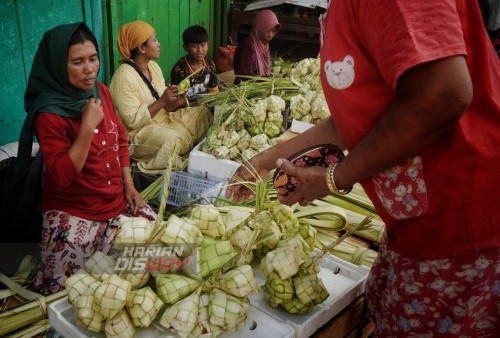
309	105
207	292
298	84
252	127
208	298
106	302
291	272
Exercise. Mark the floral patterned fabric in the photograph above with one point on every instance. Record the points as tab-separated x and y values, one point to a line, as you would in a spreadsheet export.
457	297
402	189
68	240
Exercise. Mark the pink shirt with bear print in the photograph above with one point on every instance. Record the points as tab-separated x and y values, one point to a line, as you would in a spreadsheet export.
440	203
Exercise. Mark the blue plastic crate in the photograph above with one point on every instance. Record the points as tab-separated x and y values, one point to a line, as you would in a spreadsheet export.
185	189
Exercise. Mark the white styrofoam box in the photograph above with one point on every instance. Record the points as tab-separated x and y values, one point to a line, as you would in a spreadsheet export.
206	165
300	126
258	324
343	280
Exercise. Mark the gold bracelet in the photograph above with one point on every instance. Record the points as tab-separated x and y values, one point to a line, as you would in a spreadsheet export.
128	180
330	181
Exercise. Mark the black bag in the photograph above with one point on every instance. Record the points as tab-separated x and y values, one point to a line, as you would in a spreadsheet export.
20	201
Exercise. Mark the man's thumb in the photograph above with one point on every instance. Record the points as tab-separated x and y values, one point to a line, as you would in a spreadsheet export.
287	166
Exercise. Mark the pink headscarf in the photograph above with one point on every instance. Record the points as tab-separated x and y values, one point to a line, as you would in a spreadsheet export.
263	21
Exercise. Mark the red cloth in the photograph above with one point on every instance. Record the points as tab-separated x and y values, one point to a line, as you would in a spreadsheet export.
224	57
245	59
438	204
95	193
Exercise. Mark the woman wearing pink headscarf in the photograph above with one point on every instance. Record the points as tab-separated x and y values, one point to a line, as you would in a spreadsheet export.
252	56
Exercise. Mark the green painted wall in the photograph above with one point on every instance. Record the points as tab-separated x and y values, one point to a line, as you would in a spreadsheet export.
23	22
169	18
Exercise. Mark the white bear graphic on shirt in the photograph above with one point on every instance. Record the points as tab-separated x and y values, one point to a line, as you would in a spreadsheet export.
340	74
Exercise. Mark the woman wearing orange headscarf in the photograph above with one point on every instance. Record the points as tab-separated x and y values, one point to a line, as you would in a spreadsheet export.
252	56
146	105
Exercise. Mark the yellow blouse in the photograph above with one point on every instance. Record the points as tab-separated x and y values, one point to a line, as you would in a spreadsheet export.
132	96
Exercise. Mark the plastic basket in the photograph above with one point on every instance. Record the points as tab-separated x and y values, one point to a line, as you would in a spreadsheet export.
185	189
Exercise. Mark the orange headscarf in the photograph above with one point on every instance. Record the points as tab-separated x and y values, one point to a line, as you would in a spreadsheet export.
264	21
132	35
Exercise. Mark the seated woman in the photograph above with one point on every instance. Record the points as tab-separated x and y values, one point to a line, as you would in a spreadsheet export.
146	106
87	184
252	56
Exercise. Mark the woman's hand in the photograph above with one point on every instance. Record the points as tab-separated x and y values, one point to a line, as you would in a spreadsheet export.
181	101
92	114
171	98
311	183
133	197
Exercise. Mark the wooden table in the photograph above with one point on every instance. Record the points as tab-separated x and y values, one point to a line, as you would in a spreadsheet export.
351	322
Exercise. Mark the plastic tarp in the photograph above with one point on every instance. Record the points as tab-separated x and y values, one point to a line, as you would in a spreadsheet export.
302	3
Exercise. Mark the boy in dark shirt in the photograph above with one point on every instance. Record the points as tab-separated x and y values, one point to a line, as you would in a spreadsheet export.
195	43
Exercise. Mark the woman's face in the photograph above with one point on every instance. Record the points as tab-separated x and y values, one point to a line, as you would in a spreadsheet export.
152	47
83	65
268	35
